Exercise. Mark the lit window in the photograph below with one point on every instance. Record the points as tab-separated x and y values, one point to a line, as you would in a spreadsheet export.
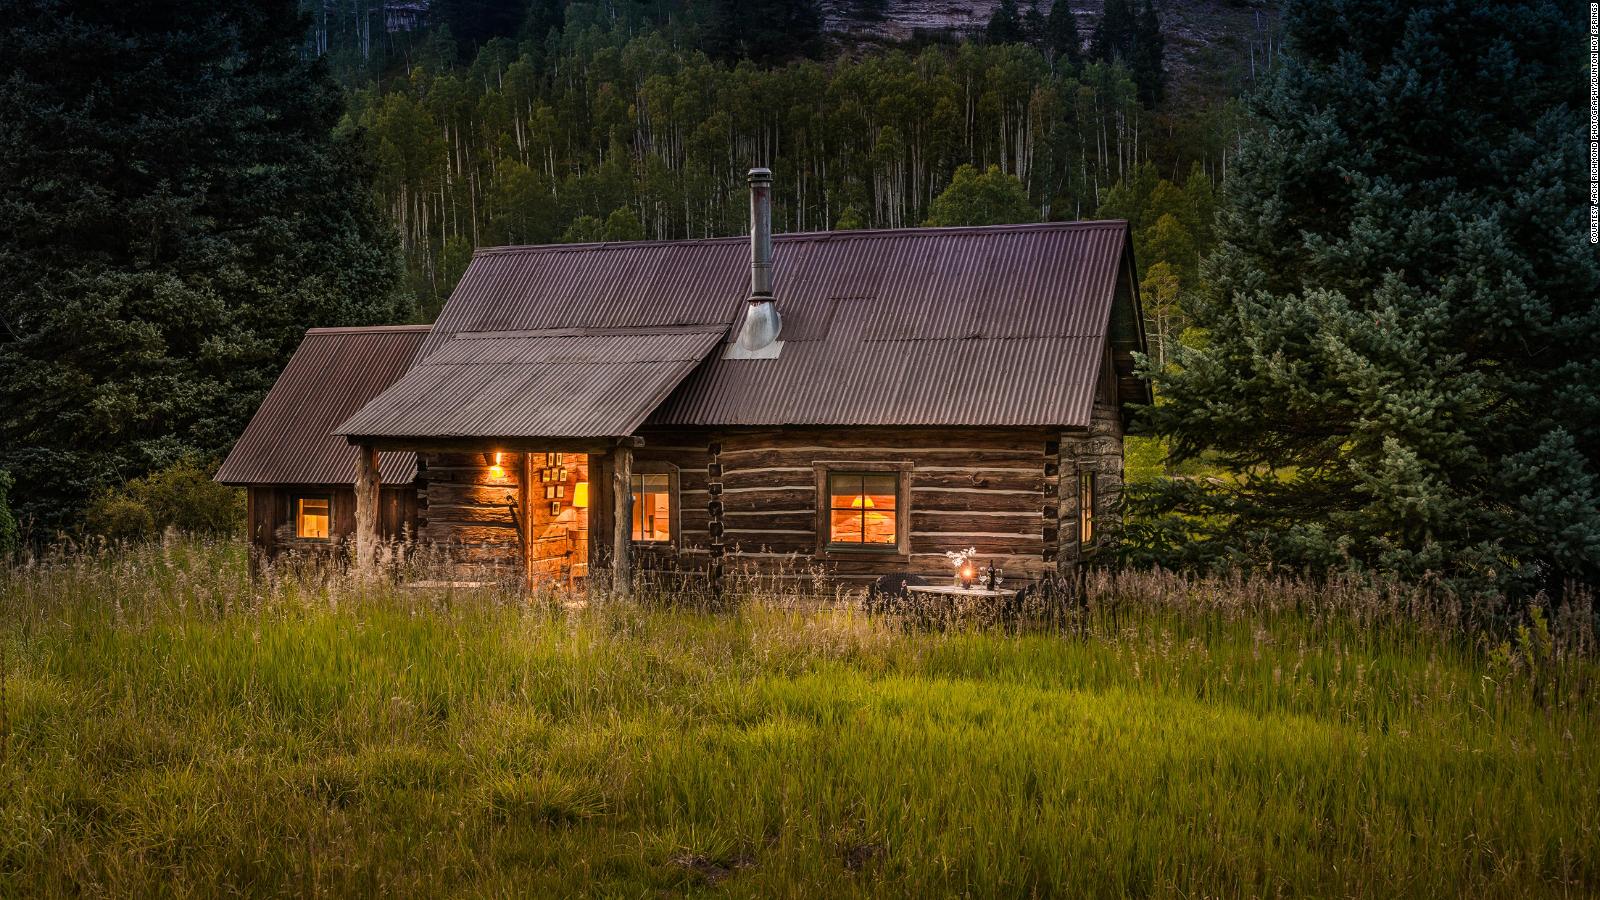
652	508
312	516
862	508
1086	508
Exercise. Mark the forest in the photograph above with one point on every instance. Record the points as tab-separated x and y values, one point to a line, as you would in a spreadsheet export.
618	125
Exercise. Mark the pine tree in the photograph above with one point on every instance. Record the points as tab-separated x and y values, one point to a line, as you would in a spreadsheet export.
1005	24
1148	56
1133	37
178	210
1061	40
1033	24
1402	357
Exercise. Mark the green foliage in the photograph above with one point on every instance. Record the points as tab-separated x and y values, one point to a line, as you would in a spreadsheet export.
1172	231
529	138
10	533
177	212
180	496
171	723
1402	355
1131	35
1061	40
1005	24
989	198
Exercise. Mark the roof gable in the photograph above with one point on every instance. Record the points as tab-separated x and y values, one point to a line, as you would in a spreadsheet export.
332	373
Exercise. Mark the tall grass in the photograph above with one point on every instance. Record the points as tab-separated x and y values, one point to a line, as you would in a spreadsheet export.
175	727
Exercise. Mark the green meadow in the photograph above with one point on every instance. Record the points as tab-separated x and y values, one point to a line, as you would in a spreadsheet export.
171	728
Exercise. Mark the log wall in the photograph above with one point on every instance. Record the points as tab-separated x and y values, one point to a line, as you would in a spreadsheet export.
270	518
750	497
466	508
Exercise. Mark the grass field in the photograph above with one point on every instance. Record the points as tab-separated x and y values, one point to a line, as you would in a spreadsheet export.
169	729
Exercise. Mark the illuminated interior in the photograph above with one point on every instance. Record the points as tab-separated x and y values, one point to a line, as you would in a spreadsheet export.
652	508
312	517
1086	507
861	508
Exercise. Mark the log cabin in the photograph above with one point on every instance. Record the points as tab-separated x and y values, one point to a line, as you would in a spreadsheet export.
835	405
297	475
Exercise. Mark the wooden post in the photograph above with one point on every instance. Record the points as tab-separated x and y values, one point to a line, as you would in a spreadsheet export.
367	497
622	520
599	519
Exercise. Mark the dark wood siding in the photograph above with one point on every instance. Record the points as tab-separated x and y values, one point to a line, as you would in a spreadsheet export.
985	488
270	517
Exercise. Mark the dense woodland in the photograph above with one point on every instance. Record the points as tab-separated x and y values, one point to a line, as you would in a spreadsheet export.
627	122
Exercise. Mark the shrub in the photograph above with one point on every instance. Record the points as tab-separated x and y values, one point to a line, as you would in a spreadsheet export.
10	535
181	496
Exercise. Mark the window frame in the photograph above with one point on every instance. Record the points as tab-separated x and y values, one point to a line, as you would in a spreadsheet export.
674	503
1087	495
901	468
295	500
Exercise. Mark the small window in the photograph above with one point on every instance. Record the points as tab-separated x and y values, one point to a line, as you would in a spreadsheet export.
652	508
1086	508
863	508
313	517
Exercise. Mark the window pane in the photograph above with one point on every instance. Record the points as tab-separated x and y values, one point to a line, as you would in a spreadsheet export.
1086	507
845	527
879	490
652	508
845	491
862	507
311	517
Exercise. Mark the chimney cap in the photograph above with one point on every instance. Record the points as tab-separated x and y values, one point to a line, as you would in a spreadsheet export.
760	175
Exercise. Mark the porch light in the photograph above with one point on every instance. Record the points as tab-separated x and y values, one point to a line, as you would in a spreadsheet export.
496	470
580	495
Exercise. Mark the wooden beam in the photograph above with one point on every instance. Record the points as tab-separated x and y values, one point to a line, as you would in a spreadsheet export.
367	492
622	520
600	513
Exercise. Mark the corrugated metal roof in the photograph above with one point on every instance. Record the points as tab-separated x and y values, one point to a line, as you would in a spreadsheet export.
532	384
333	373
1001	325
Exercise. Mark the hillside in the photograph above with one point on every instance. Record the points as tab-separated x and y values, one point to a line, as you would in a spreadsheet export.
1209	43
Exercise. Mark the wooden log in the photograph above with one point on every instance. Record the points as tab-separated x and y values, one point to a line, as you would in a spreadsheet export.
622	519
367	490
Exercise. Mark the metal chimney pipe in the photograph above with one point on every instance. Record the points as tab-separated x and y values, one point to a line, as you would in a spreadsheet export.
760	234
758	336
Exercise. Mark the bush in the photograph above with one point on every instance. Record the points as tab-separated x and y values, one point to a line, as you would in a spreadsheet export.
10	534
181	496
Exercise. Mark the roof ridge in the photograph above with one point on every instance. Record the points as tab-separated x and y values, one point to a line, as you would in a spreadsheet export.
370	329
797	236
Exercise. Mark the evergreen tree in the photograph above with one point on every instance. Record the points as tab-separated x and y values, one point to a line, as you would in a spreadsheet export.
1061	40
1005	24
1033	24
177	211
1148	56
1402	357
1133	37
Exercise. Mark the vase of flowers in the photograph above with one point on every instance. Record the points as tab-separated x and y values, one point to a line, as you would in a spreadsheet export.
966	568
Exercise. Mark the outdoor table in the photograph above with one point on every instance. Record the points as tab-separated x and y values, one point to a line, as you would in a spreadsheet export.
950	590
